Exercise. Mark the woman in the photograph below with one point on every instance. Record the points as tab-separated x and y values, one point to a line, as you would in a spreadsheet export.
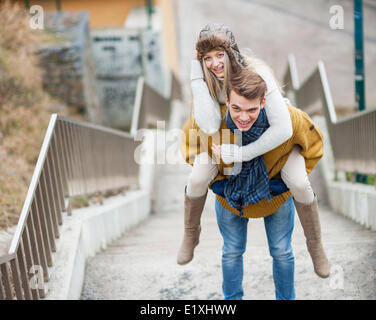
218	57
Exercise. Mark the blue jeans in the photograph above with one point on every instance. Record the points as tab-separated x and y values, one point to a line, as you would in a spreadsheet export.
279	227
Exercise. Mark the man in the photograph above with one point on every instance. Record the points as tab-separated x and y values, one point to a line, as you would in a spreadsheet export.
256	190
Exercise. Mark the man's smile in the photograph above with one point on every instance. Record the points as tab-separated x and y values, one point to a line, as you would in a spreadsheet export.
243	124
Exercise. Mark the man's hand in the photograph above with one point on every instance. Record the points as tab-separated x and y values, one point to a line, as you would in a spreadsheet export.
216	150
229	153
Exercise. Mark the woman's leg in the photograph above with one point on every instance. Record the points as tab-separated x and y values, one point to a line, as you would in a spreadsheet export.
295	176
203	172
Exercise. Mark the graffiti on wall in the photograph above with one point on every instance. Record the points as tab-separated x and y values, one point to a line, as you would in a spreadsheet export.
121	57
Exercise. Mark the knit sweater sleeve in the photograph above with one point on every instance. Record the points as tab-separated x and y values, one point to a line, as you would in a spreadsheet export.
206	111
279	131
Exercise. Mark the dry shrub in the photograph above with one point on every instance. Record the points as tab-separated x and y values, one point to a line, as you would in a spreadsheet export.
25	109
18	42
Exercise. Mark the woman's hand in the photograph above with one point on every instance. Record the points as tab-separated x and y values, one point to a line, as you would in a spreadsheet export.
231	153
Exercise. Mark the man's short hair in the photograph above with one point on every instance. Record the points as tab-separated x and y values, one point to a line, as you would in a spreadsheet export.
248	84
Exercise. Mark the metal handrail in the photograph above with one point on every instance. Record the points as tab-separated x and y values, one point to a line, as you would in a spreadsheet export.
176	90
76	158
144	112
353	139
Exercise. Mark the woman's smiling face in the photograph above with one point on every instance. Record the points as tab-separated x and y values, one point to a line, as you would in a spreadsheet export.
215	61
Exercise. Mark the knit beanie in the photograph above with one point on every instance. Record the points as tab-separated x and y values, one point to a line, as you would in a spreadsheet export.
216	36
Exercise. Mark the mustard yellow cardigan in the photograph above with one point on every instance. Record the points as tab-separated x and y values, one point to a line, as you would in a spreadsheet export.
305	134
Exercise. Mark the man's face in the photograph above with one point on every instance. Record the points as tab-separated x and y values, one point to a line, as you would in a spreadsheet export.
244	112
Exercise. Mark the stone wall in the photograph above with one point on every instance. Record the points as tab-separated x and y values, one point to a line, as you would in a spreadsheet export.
96	71
69	65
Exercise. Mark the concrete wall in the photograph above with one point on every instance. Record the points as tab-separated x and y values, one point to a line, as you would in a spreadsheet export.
169	34
113	13
122	55
118	57
69	71
88	231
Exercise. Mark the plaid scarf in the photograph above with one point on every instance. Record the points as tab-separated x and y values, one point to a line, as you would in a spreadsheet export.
251	184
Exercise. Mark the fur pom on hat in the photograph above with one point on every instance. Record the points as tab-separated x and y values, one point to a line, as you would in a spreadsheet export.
214	36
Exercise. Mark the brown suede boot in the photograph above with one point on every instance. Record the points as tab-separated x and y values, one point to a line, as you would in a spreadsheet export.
193	208
309	218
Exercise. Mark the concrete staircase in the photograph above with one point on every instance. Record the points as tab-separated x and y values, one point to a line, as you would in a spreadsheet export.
142	264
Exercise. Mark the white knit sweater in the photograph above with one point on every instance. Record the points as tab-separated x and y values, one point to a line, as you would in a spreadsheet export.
207	114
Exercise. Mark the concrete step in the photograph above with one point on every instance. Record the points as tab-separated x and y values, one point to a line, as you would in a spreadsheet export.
142	264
